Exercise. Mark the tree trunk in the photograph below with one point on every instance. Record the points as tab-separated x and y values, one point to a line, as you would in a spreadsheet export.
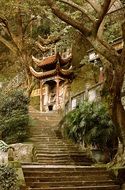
113	84
31	87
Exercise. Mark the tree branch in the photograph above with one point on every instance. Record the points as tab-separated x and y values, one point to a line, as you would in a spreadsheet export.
104	49
66	18
28	24
112	2
8	44
123	50
80	8
94	5
8	31
102	14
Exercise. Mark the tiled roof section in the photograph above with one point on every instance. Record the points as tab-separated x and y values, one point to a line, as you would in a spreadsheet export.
58	71
46	61
52	60
42	75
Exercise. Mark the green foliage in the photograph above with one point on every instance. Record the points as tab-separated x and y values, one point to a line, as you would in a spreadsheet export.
3	146
8	178
14	117
13	102
90	123
114	30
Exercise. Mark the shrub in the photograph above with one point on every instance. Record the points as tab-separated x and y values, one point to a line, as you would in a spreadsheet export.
13	101
14	117
90	122
8	178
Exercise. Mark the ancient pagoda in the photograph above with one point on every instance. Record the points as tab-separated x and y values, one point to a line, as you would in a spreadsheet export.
55	76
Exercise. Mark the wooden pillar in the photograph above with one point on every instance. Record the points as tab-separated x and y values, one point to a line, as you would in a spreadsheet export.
46	100
57	93
101	75
41	96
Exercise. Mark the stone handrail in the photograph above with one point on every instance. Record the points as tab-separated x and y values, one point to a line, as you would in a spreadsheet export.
90	94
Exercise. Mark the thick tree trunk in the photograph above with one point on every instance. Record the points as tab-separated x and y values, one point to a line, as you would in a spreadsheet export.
113	84
31	87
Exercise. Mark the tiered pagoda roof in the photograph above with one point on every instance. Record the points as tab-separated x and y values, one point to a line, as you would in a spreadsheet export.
54	65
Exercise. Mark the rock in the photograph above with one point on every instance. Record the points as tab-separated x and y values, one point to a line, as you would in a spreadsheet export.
23	152
3	153
3	157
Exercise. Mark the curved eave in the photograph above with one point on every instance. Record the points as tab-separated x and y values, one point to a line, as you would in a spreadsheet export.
66	60
66	72
42	75
46	61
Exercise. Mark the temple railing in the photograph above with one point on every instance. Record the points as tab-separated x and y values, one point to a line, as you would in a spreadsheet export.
90	94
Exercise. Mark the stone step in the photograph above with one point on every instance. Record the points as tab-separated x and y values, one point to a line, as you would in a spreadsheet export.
54	145
52	157
63	173
56	149
73	152
68	183
57	162
106	187
59	168
59	144
48	132
45	137
41	178
53	152
62	159
64	163
45	114
70	155
48	140
61	165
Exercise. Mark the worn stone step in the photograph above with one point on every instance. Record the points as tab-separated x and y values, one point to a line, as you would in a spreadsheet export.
55	146
61	164
106	187
63	173
52	156
49	141
69	183
63	160
73	152
56	149
73	168
69	155
41	178
57	163
65	163
48	144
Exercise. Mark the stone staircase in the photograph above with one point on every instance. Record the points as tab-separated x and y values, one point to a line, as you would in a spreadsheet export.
59	164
